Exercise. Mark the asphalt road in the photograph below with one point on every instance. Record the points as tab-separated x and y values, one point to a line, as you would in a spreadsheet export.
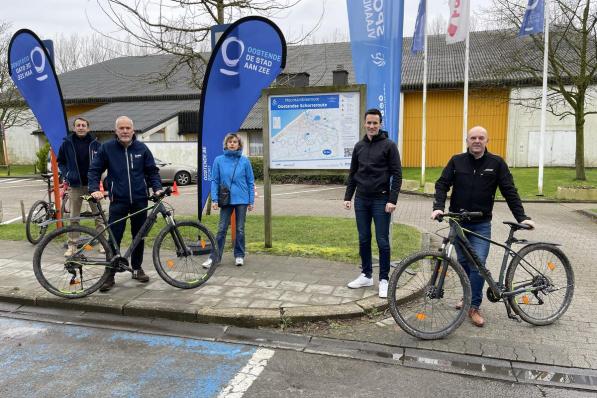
41	359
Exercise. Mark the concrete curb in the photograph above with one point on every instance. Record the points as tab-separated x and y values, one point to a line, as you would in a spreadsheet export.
587	213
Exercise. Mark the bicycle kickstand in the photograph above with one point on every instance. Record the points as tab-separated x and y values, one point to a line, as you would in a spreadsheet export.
509	311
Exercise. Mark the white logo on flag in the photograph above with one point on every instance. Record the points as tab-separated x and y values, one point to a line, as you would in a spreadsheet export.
231	63
378	59
39	68
458	22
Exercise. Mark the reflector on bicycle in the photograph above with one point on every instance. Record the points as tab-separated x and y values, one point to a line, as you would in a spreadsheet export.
203	243
421	316
525	299
170	264
88	247
551	266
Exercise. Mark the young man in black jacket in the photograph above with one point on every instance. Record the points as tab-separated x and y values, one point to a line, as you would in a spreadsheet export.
74	158
131	167
474	177
376	176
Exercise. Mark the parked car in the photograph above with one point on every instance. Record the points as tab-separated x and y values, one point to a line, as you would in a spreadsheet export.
182	174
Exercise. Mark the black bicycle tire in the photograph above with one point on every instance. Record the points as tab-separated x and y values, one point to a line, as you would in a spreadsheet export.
40	248
30	238
393	283
156	255
569	276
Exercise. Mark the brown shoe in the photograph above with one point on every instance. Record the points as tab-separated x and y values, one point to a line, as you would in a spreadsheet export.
140	275
108	284
476	317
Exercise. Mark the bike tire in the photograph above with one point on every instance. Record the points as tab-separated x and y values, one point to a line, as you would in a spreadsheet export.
543	264
54	270
38	213
409	296
184	271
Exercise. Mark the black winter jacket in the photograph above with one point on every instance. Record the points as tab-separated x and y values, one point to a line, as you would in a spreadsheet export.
67	159
375	169
130	170
474	183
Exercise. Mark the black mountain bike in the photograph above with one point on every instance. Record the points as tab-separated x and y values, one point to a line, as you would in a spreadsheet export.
179	250
43	213
537	284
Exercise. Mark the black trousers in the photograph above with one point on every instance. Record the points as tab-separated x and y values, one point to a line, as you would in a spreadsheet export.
119	210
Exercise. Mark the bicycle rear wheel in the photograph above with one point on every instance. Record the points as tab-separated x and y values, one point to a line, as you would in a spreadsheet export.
76	274
418	306
179	252
546	267
38	214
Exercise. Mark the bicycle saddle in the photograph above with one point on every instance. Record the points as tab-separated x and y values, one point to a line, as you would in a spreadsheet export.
516	226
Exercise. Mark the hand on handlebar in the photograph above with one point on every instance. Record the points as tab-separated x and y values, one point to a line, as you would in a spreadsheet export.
98	195
436	213
529	222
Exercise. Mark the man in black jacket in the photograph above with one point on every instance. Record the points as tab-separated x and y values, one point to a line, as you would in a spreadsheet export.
74	157
474	177
131	167
376	176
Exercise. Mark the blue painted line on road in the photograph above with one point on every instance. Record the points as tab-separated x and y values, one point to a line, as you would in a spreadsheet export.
43	360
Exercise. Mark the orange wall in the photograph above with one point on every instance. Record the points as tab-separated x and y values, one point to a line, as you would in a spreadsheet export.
488	108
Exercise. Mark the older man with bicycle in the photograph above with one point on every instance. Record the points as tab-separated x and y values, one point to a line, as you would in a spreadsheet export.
474	177
131	167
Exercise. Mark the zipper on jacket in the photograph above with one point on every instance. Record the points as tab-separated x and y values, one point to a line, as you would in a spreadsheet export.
128	173
77	164
132	163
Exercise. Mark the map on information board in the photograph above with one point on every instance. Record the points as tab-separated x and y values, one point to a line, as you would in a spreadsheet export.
313	131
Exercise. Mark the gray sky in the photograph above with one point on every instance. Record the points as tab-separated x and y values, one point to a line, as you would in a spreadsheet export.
50	18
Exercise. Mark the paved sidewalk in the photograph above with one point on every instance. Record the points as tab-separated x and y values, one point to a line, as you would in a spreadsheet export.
272	291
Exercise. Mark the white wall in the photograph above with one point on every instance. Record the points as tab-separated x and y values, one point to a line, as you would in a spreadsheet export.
22	146
524	125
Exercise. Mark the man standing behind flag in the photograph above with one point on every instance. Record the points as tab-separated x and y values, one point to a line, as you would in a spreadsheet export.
376	176
74	157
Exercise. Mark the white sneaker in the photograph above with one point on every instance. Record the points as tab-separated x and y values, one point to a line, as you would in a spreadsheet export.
361	281
207	263
383	288
239	261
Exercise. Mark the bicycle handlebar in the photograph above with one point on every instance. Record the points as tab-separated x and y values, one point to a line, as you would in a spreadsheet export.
462	216
166	192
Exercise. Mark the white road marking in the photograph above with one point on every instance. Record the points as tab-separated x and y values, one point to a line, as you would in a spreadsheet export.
306	191
5	181
19	180
11	221
20	186
237	387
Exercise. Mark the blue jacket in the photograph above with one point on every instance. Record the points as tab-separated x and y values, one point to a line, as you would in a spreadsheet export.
67	159
242	189
130	170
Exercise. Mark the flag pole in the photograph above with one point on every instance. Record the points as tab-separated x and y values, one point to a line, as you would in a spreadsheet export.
543	97
424	115
465	105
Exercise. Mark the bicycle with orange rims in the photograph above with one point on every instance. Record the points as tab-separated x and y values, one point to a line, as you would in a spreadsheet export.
535	283
179	250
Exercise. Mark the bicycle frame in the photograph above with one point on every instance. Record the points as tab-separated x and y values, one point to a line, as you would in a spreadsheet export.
154	210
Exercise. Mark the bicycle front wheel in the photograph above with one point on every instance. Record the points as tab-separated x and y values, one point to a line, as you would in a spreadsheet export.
420	306
546	276
68	262
179	252
38	214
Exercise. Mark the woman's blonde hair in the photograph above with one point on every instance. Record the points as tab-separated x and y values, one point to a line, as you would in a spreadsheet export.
229	136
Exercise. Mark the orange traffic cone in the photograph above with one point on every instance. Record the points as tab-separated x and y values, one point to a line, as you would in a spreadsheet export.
175	189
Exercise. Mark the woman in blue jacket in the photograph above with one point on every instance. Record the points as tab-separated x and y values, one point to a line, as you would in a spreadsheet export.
233	170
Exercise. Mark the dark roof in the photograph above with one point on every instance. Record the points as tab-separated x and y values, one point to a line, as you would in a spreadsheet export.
134	78
145	114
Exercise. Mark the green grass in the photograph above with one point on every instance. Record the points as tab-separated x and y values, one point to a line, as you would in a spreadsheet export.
525	179
17	170
321	237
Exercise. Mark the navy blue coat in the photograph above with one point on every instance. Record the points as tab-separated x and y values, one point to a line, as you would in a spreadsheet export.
67	159
130	171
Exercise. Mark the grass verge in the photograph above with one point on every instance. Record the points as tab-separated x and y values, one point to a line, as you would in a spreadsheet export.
302	236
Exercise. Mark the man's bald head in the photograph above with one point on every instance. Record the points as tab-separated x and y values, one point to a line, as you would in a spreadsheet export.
476	141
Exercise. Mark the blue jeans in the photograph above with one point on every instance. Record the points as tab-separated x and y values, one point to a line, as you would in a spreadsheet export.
481	247
365	210
239	242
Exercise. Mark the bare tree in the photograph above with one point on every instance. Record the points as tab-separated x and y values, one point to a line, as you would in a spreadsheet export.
182	27
13	109
76	51
572	59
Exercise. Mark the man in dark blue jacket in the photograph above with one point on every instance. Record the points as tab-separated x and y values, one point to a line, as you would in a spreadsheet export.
131	167
74	158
